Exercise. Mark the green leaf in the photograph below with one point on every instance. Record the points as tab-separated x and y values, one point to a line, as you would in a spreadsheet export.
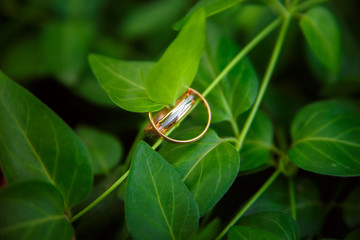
326	139
158	205
104	149
36	144
351	208
309	209
258	142
65	46
208	167
353	235
322	33
267	225
211	7
237	91
33	210
173	74
210	231
124	82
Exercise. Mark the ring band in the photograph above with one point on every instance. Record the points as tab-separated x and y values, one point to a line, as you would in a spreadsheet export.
183	106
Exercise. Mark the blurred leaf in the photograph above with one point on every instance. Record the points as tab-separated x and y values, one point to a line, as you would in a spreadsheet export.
351	208
309	210
266	225
23	60
104	149
124	82
90	90
322	33
76	8
173	74
158	205
151	17
66	46
211	7
353	235
237	91
210	231
326	139
258	142
208	167
36	144
33	210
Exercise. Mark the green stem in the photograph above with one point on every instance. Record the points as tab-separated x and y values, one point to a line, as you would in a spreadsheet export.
249	203
235	60
292	197
265	82
307	5
101	197
234	127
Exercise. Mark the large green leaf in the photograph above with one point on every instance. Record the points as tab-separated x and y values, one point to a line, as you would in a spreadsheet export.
237	91
258	142
267	226
124	82
351	208
211	7
208	167
36	144
158	205
65	46
104	149
173	74
326	138
322	33
309	210
33	210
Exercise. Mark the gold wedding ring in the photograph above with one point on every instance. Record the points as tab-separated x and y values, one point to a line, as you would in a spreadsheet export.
165	119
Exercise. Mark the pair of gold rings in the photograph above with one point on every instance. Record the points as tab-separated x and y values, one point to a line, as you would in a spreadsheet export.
165	119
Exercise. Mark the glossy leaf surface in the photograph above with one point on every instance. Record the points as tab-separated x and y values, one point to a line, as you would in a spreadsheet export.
322	33
351	208
211	7
33	210
267	226
309	209
36	144
158	205
237	91
124	82
208	167
173	74
258	142
326	139
104	149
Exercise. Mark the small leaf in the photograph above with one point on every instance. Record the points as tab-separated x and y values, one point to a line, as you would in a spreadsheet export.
208	167
309	210
158	205
322	33
326	139
173	74
104	149
65	46
36	144
258	142
124	82
351	208
211	7
237	91
266	225
33	210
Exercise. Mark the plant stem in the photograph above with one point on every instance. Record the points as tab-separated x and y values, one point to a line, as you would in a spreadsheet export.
249	203
101	197
265	82
292	197
307	5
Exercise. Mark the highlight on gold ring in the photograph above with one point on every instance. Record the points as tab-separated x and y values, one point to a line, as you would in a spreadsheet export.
166	119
